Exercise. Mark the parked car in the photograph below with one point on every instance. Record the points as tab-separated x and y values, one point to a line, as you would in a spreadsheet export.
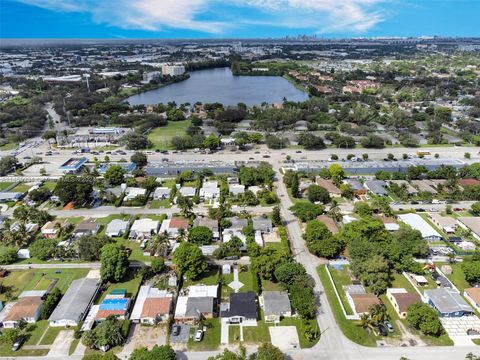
176	330
266	156
198	335
382	330
389	326
18	343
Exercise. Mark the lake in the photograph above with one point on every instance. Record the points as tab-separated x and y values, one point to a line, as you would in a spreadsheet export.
220	85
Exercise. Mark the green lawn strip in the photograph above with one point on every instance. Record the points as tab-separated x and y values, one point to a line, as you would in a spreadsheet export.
161	137
50	185
457	277
245	277
157	204
75	220
399	281
301	325
208	278
50	335
130	284
251	334
5	185
8	146
35	332
211	337
22	187
342	278
6	350
349	328
73	346
268	285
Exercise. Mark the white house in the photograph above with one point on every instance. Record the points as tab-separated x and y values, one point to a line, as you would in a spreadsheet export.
187	191
132	192
161	193
210	190
144	228
418	223
236	189
117	227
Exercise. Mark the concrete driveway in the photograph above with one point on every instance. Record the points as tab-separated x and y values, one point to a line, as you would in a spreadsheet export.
61	345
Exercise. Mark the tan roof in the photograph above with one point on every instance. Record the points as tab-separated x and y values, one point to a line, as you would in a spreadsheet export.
329	223
51	224
25	307
87	224
388	219
474	293
329	186
444	221
363	302
473	223
178	222
404	300
152	307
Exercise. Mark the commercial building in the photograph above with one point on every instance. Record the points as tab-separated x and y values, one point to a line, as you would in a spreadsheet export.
73	165
173	70
172	169
418	223
127	167
447	302
74	305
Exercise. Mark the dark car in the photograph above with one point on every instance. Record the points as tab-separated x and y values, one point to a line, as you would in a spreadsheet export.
266	156
18	343
234	257
298	151
382	330
176	330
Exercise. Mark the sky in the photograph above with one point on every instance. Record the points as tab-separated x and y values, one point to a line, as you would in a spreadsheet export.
133	19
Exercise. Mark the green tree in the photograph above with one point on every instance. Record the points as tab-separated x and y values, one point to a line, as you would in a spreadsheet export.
336	173
157	265
276	217
307	211
318	193
320	240
90	246
115	175
107	356
471	269
189	260
267	351
74	188
43	249
230	355
9	336
476	208
374	272
50	303
294	187
113	262
424	318
8	254
266	261
201	235
163	352
212	142
139	158
290	272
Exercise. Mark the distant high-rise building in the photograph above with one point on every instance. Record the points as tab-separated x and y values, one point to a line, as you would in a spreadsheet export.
173	70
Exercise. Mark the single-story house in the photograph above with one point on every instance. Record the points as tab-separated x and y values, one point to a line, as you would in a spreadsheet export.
276	304
418	223
262	224
237	223
401	299
329	223
27	309
6	196
470	223
161	193
447	302
210	190
190	309
187	191
30	227
50	229
468	182
356	186
376	187
241	309
172	226
151	305
74	305
361	303
410	189
143	228
390	223
212	224
87	227
328	185
424	186
447	224
115	304
117	227
132	192
473	297
236	189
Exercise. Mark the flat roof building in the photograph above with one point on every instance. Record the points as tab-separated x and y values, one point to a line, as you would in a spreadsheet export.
447	302
73	165
418	223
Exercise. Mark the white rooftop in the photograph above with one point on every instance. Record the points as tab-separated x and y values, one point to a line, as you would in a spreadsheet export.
418	223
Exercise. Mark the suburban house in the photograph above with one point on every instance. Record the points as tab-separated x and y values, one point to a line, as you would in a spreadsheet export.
328	185
210	190
237	223
262	224
376	187
187	191
87	227
132	192
241	309
151	306
212	224
472	224
473	297
447	302
161	193
424	186
190	309
115	304
447	224
143	228
390	223
26	309
360	301
401	299
236	189
30	227
418	223
468	182
74	305
409	188
329	223
50	229
276	304
356	186
117	227
172	226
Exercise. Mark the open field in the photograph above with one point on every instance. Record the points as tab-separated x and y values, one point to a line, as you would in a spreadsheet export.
161	137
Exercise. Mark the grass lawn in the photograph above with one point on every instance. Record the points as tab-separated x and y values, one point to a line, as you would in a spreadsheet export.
8	146
6	350
161	137
342	278
22	187
39	279
248	280
399	281
106	220
51	335
130	283
457	277
157	204
301	326
211	337
268	285
5	185
349	328
36	331
209	278
50	185
75	220
73	346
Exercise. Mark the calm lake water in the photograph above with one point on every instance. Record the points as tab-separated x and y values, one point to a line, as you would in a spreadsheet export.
220	85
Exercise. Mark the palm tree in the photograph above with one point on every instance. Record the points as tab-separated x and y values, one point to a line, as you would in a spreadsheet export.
378	314
161	243
366	322
182	234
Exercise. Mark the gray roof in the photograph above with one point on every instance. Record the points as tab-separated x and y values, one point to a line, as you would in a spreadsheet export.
447	301
74	304
116	226
212	224
238	223
276	303
196	305
376	186
10	196
262	224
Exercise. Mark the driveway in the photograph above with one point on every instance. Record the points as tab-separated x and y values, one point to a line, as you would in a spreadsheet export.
182	337
61	345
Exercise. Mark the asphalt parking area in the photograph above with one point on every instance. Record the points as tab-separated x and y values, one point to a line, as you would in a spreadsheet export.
182	337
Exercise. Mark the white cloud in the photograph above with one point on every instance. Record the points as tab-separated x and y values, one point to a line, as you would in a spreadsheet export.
326	16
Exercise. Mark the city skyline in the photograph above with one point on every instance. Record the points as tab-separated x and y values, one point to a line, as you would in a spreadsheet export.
237	19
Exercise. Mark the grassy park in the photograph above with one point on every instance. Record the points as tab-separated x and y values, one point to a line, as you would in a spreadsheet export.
161	137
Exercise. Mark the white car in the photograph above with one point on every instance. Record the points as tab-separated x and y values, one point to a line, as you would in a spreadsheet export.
198	335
